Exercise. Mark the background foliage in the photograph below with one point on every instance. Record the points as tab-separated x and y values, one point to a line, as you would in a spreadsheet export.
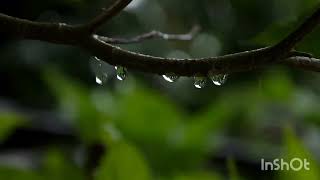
53	114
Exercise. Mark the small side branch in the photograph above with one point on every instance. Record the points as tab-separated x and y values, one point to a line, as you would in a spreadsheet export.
153	35
107	14
305	63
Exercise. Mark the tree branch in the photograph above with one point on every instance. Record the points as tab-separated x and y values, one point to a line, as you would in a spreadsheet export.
107	14
59	33
114	55
231	63
153	35
281	53
305	63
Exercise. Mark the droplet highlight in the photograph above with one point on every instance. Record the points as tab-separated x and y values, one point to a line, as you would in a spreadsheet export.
219	79
200	82
99	71
170	77
98	81
121	72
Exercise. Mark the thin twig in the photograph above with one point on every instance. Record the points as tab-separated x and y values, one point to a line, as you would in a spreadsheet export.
153	35
107	14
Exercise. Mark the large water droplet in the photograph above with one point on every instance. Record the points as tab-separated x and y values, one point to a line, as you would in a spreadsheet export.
200	82
99	71
219	79
121	73
98	81
170	77
174	56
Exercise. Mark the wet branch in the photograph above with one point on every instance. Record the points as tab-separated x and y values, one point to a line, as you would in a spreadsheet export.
79	36
306	63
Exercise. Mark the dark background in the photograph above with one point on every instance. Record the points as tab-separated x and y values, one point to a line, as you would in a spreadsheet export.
57	123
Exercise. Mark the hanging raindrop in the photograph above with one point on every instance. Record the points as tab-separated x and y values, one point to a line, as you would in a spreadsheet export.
170	77
98	81
121	72
219	79
98	69
174	55
200	82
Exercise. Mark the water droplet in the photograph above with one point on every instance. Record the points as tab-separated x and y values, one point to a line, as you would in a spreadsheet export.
200	82
121	73
98	81
170	77
219	79
99	70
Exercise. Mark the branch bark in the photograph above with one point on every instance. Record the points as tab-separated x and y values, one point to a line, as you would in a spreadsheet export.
78	36
305	63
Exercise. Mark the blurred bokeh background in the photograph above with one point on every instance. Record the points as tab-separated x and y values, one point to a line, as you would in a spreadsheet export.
56	122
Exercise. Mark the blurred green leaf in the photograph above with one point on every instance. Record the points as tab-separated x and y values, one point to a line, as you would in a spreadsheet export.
295	149
58	165
77	104
233	172
122	162
8	122
299	11
273	34
154	123
147	117
18	174
198	176
277	86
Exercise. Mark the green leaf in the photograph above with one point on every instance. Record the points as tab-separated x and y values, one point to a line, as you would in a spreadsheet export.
295	149
198	176
145	116
277	85
295	13
76	102
233	173
273	34
18	174
57	165
8	122
123	162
